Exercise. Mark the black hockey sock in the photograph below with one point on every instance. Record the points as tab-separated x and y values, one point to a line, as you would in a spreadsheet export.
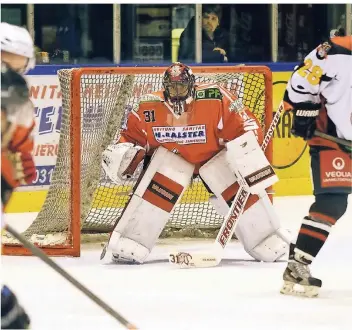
311	238
315	228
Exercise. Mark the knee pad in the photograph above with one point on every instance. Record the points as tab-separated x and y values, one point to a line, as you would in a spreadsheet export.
331	205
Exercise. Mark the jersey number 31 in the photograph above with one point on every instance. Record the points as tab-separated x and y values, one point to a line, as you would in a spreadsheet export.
149	116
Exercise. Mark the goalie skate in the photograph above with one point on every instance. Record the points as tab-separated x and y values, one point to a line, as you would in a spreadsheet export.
298	281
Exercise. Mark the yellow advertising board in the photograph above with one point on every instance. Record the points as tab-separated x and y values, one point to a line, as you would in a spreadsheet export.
291	154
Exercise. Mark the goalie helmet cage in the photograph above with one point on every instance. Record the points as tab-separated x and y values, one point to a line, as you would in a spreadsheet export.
95	103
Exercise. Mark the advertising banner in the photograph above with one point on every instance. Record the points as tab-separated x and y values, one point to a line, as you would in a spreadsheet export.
291	154
46	96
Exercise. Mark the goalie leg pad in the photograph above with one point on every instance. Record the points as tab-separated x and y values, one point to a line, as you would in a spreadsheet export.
260	232
258	229
150	206
220	179
271	249
126	250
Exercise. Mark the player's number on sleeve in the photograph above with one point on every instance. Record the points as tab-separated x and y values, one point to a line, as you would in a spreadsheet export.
149	116
310	72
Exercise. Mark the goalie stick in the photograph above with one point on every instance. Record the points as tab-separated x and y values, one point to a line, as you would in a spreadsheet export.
214	256
41	255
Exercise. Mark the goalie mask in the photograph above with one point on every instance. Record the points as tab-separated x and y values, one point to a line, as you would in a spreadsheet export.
178	82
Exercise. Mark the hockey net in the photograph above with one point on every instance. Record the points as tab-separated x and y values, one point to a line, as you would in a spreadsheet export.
96	101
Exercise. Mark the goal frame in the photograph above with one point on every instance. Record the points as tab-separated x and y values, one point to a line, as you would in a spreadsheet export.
72	247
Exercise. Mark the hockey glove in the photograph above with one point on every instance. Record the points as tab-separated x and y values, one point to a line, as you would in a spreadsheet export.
304	120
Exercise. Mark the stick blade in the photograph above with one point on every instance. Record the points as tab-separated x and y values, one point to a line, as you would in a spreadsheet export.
193	260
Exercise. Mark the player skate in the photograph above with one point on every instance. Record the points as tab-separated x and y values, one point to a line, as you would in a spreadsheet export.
298	280
189	130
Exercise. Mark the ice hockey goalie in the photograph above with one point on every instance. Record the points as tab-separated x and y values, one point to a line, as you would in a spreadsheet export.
182	131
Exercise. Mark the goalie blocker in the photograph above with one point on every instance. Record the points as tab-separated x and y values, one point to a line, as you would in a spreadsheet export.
156	195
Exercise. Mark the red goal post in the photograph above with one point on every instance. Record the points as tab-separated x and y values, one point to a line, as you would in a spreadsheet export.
95	104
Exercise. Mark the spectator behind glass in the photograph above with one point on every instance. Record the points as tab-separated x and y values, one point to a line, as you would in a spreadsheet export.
214	39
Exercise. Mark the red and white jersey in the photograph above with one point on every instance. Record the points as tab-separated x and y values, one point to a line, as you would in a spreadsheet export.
326	72
212	118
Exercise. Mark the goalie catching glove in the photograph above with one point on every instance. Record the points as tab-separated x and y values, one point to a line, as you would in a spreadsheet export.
121	160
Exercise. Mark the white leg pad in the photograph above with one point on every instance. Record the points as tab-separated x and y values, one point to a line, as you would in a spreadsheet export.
260	232
258	229
148	211
219	204
271	249
217	174
255	225
142	221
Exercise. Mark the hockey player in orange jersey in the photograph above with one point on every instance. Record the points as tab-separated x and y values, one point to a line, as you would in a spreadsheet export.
179	131
320	95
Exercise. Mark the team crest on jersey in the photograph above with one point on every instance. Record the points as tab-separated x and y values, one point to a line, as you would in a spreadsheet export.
322	50
181	134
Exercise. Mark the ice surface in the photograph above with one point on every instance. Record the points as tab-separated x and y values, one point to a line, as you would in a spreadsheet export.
239	294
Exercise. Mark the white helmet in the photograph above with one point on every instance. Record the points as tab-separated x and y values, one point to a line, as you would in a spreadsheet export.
17	40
